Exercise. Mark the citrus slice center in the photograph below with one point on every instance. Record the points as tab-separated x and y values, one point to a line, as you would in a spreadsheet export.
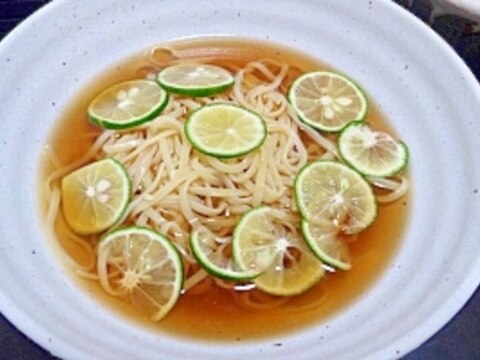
329	193
142	266
95	196
262	239
327	101
373	153
195	79
214	254
128	104
224	130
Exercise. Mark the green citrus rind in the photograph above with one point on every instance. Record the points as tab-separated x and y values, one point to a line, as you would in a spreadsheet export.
324	254
69	207
149	115
195	90
360	116
367	169
276	278
367	191
223	272
173	255
219	153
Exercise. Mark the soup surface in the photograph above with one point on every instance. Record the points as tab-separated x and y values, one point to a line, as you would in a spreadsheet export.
214	312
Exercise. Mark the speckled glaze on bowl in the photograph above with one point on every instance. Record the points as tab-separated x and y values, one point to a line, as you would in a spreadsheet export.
428	94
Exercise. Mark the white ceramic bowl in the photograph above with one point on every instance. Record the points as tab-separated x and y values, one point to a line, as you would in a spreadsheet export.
427	92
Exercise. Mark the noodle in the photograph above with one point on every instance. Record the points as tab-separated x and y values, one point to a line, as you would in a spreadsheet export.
254	300
105	136
195	279
176	188
398	189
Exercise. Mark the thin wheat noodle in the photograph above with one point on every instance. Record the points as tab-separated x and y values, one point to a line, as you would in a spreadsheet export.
397	193
87	275
103	273
316	304
94	276
246	300
201	287
195	279
84	159
312	133
52	212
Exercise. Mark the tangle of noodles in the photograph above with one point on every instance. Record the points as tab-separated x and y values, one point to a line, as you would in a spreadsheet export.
177	188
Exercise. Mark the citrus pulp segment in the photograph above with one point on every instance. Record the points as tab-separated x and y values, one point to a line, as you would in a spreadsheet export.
149	270
327	245
327	101
225	130
330	193
195	79
95	196
128	104
370	152
210	251
264	241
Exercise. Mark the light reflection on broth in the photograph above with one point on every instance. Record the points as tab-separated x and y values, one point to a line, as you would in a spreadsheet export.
208	311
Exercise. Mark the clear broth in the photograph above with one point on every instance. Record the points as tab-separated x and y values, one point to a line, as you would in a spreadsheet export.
214	315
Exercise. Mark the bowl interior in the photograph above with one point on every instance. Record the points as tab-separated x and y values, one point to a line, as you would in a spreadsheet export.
431	276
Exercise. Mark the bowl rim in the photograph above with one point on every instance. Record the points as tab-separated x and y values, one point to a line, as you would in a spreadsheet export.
432	325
